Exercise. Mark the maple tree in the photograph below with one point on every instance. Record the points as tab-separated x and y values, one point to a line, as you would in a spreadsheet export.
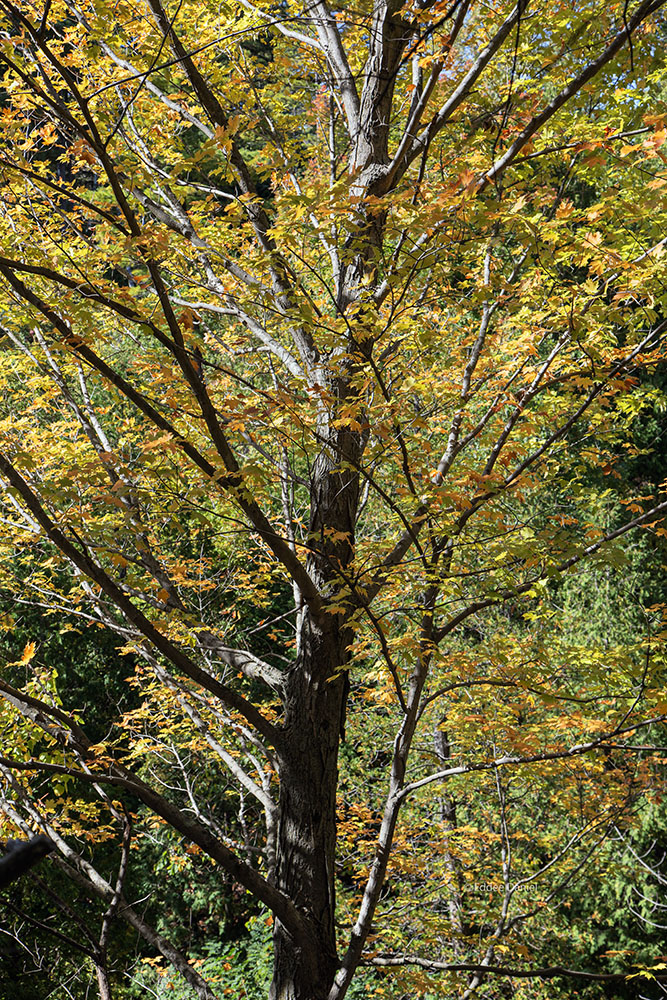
317	323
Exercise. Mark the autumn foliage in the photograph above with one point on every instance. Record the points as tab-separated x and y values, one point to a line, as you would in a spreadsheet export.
324	334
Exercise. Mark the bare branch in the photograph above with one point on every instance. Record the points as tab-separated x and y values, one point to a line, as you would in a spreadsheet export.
573	751
551	972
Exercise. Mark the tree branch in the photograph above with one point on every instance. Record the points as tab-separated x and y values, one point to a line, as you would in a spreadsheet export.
568	92
431	965
85	563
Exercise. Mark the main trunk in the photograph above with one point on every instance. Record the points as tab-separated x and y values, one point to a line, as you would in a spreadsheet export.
314	715
307	828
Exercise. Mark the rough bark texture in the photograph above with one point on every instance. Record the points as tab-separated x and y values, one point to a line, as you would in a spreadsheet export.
314	718
307	831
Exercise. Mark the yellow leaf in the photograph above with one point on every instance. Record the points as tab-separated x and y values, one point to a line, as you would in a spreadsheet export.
28	653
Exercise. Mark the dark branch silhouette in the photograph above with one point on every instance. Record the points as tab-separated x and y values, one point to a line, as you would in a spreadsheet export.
21	855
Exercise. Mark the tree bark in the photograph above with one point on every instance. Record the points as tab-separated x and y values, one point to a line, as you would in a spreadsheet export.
307	807
315	700
103	982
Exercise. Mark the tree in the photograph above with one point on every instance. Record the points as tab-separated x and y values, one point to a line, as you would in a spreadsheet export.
327	311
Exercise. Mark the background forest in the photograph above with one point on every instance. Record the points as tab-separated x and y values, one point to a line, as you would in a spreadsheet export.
333	464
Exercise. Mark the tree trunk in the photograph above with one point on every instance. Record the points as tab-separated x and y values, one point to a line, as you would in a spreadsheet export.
103	981
307	808
314	711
